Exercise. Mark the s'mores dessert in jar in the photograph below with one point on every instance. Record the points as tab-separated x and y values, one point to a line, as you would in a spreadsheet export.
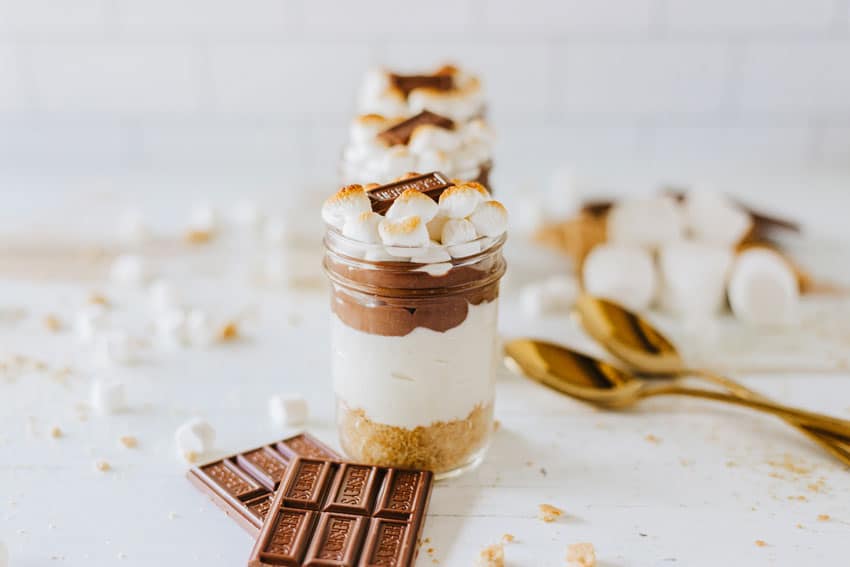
381	149
415	266
448	91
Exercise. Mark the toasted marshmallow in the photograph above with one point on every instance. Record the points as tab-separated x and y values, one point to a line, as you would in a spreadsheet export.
107	397
763	289
430	137
457	231
693	277
348	202
460	201
431	254
645	222
396	162
477	130
288	410
621	273
196	436
363	227
405	232
433	160
490	218
712	217
365	127
413	203
435	227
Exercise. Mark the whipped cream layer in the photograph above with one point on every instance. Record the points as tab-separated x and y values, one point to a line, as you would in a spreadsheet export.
460	100
421	378
461	152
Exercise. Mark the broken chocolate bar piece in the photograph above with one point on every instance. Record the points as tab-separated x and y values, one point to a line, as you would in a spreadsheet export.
432	184
406	83
243	484
400	133
329	512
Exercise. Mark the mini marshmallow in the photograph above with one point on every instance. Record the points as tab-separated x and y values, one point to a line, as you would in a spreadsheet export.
435	227
163	296
556	294
365	127
477	130
693	277
622	273
413	203
128	269
170	328
562	199
645	222
457	231
396	162
363	228
88	322
107	397
763	289
203	218
408	232
465	249
435	253
490	218
430	137
288	410
247	214
460	201
348	202
196	436
200	330
113	348
712	217
433	160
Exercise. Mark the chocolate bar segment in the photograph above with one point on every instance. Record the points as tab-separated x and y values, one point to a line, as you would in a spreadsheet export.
432	184
331	504
243	484
406	83
400	133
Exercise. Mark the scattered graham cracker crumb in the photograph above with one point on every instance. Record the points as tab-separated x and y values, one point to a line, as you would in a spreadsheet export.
55	432
761	543
824	517
491	556
549	513
508	538
497	425
52	323
799	498
800	526
102	466
190	456
230	332
99	299
198	236
581	555
129	441
430	550
653	439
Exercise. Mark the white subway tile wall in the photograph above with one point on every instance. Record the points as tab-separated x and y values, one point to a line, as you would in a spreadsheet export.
268	85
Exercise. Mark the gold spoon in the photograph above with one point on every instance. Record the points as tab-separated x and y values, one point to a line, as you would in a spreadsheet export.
635	341
603	384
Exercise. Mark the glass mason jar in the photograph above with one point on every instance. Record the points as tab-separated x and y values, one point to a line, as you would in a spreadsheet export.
414	353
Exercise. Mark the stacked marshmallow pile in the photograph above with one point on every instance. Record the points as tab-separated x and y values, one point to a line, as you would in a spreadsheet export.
379	95
686	258
460	152
416	228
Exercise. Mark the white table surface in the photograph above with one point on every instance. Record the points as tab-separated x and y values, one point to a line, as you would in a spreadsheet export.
673	482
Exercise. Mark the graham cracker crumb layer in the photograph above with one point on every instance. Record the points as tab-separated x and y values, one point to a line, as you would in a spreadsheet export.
439	447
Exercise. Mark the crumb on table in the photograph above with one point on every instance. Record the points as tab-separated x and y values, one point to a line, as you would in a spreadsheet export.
491	556
102	466
229	332
824	517
55	432
581	555
549	513
129	441
508	538
761	543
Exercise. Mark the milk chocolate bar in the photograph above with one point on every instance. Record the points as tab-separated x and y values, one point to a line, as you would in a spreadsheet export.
406	83
400	133
432	184
243	484
328	512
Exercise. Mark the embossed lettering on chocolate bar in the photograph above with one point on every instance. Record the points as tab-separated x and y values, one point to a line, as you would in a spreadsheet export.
432	184
285	535
354	485
401	132
389	544
403	491
306	447
229	480
269	465
339	530
305	485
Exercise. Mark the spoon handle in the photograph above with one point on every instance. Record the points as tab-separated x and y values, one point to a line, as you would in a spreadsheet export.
815	420
837	445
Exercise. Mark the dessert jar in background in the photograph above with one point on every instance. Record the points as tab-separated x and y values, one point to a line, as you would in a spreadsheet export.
415	345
